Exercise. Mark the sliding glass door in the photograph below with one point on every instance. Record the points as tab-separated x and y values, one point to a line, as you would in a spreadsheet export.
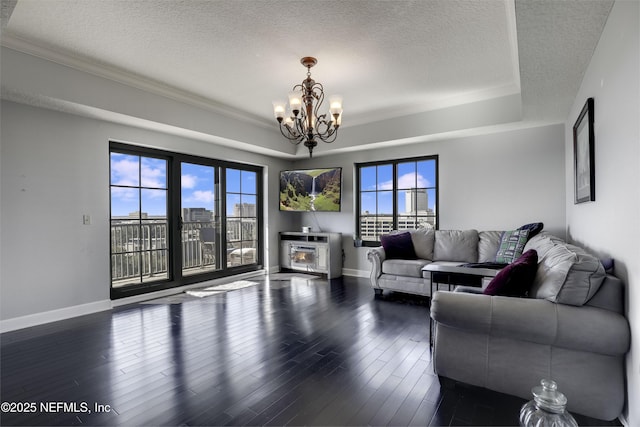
242	220
179	219
200	218
139	240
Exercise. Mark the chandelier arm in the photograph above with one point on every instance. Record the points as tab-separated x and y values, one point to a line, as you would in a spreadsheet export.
319	96
291	136
290	132
322	125
329	137
300	124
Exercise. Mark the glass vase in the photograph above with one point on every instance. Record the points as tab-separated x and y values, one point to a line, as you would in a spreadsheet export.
547	409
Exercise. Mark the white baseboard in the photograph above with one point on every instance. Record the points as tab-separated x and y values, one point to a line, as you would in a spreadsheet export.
53	315
94	307
355	273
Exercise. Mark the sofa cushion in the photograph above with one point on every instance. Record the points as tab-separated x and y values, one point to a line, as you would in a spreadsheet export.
542	242
423	240
488	245
583	280
534	228
511	245
456	245
404	267
398	246
568	275
516	279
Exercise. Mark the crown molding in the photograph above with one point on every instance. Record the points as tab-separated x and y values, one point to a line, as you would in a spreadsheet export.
123	77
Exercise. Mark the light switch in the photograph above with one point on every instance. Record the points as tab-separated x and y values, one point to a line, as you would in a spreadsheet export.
86	219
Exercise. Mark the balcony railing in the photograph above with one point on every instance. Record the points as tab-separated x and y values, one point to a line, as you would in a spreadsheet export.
139	251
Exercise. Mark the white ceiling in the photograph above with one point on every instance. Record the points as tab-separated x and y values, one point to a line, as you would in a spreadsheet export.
387	59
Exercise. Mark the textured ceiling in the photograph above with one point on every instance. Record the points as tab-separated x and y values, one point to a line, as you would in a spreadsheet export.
386	58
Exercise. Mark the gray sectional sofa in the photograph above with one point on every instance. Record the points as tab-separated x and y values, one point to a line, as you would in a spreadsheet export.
445	247
570	328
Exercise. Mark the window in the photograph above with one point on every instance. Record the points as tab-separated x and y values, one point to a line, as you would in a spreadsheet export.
200	218
139	250
396	195
179	219
242	220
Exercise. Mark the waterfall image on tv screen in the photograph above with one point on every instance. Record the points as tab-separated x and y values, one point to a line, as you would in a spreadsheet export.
315	190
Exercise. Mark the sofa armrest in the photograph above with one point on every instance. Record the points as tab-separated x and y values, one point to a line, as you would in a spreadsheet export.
468	289
534	320
462	310
376	256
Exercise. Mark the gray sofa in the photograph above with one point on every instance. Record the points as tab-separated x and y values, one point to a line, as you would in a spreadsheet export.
570	329
447	247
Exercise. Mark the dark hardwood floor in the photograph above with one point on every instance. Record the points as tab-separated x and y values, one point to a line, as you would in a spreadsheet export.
297	352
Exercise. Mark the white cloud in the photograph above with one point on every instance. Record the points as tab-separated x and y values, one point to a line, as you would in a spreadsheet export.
153	177
124	172
408	180
189	181
201	196
153	194
388	185
124	194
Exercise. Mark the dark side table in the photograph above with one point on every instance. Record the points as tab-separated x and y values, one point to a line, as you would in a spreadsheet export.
451	272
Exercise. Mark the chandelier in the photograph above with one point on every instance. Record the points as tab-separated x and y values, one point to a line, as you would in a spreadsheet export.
303	123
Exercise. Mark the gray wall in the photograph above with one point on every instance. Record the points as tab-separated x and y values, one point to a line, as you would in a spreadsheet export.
55	169
610	226
490	182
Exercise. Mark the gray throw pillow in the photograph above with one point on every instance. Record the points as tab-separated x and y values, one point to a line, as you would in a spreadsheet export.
567	274
423	239
488	245
456	245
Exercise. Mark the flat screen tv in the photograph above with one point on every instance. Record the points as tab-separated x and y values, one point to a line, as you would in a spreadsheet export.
310	190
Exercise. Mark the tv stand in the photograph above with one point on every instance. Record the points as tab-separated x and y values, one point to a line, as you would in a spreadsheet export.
311	252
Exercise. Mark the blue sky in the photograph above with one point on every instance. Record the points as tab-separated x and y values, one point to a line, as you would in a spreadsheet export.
135	171
198	189
376	183
197	186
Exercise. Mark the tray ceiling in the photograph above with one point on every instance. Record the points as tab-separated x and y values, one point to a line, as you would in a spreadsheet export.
387	59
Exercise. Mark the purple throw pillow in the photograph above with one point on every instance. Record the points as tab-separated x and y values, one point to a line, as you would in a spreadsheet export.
515	279
398	246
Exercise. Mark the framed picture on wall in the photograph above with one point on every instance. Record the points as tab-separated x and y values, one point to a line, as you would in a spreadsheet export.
584	155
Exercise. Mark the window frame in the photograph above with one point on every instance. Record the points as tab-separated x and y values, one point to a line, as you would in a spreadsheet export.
395	213
175	278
